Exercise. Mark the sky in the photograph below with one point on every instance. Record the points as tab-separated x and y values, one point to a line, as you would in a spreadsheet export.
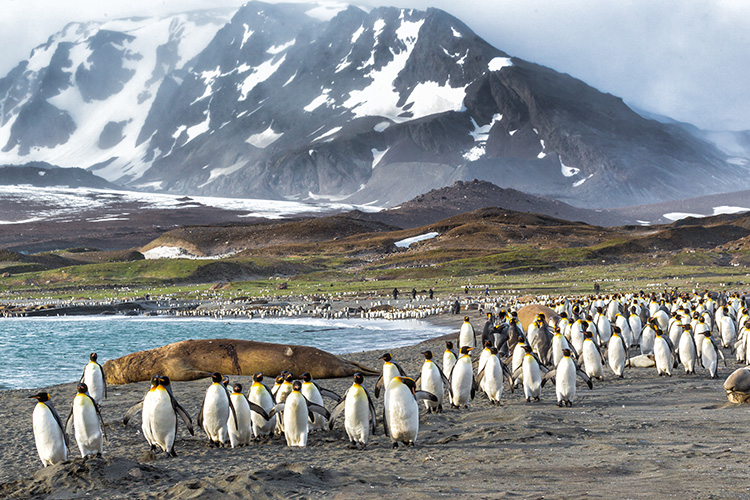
685	59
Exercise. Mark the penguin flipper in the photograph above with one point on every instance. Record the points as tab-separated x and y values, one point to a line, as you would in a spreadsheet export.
400	370
373	414
257	409
335	413
104	380
585	378
59	422
442	375
276	410
385	423
425	395
378	385
550	375
69	422
132	411
200	415
329	394
231	407
508	376
98	414
184	416
316	408
480	376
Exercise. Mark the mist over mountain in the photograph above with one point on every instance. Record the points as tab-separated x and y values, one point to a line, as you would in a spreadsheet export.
283	101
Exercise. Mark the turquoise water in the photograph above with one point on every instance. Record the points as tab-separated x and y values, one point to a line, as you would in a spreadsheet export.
37	352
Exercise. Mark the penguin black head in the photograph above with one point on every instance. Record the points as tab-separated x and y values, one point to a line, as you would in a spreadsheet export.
258	377
707	334
408	382
541	316
599	309
297	385
386	357
493	350
687	327
563	314
527	348
589	317
82	388
42	397
521	339
237	387
487	344
466	318
306	377
584	324
427	354
155	380
465	349
359	378
216	377
557	329
514	314
288	377
164	381
566	352
92	357
587	334
448	345
616	329
280	378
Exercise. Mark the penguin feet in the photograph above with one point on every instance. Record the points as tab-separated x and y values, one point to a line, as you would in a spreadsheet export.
439	409
561	403
395	445
568	403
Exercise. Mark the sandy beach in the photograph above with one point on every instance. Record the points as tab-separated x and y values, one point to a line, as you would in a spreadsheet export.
643	436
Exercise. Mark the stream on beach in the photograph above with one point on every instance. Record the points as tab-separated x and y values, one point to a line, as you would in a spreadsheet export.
37	352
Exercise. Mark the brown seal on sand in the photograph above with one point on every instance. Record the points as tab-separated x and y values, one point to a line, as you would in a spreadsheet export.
193	359
527	314
737	386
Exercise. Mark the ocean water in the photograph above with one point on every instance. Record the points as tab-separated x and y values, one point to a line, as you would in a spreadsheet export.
36	352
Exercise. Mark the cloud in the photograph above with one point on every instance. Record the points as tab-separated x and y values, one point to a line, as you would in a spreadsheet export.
688	60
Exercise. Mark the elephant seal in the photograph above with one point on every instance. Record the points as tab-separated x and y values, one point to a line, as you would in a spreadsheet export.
643	361
528	313
737	386
194	359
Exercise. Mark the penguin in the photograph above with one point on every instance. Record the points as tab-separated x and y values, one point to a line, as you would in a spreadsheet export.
647	337
604	325
593	360
710	355
433	380
296	411
400	411
49	435
577	334
314	393
285	388
449	357
261	396
466	335
686	350
93	377
531	369
483	356
390	369
360	420
559	343
215	412
564	376
86	418
617	352
663	353
160	410
462	386
244	411
491	376
728	331
636	326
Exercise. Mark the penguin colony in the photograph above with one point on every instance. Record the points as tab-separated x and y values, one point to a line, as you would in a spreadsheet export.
586	337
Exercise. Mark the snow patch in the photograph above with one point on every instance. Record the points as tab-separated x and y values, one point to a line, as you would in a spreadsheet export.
264	139
380	127
456	33
324	98
327	134
673	216
377	156
357	34
578	183
260	74
568	171
280	48
407	242
499	63
725	210
480	135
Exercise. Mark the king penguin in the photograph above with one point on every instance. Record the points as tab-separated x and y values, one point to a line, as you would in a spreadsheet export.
400	411
531	369
296	412
215	412
49	435
686	350
85	417
93	377
491	376
390	369
467	336
360	420
433	380
261	396
314	393
462	386
244	410
564	376
617	352
449	357
160	410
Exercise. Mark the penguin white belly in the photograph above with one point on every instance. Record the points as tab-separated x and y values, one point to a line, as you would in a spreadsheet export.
662	357
532	378
517	361
357	416
605	329
687	352
94	380
389	371
576	337
147	415
710	358
313	395
559	343
466	336
431	381
616	356
216	413
402	414
728	331
625	331
50	442
591	360
281	396
295	420
261	426
493	379
635	327
86	423
449	359
163	422
461	381
565	381
241	436
647	340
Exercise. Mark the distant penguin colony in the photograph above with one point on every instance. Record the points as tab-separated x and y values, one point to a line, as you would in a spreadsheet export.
586	338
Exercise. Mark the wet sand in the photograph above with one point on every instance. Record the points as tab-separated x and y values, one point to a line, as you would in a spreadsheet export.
643	436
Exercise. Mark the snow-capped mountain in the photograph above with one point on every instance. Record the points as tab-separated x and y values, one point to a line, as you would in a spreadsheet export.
292	101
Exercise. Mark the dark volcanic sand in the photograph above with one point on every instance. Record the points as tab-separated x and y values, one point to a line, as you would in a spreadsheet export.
640	437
